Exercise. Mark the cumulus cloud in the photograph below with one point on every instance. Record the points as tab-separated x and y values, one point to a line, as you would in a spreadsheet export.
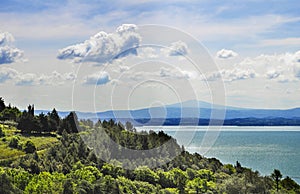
147	52
99	78
22	79
103	47
296	66
178	48
297	71
123	68
226	54
26	79
177	73
7	74
6	38
53	79
273	74
283	67
8	53
230	75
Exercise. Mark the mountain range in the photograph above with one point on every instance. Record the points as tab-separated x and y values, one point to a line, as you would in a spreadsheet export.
190	112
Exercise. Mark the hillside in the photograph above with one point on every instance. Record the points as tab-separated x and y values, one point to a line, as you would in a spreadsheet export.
75	156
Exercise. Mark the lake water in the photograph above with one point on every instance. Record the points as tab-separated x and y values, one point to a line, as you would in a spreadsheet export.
260	148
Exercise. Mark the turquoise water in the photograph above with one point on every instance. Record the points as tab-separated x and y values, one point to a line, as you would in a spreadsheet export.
260	148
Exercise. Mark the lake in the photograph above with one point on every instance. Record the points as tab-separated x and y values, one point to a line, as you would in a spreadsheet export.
260	148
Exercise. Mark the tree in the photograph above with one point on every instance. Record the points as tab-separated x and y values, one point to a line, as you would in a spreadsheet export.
28	123
54	120
128	126
14	143
43	119
98	124
179	178
197	186
290	184
2	104
31	109
276	176
46	182
6	186
144	173
1	132
70	124
10	113
68	187
29	147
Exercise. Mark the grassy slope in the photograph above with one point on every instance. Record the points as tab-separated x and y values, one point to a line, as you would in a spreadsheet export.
41	142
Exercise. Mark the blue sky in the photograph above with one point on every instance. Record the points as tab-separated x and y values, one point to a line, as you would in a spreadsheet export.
264	35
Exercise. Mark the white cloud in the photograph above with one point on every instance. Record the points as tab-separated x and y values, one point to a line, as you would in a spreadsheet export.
178	48
6	38
226	54
279	67
7	74
8	53
273	74
21	79
104	47
297	70
177	73
99	78
123	68
231	75
26	79
282	68
147	52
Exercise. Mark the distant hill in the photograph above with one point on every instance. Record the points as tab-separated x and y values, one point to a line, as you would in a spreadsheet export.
191	111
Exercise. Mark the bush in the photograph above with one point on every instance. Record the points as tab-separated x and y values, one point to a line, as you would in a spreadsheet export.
29	147
14	143
1	132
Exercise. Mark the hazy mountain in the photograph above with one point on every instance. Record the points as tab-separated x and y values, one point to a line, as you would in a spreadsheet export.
188	109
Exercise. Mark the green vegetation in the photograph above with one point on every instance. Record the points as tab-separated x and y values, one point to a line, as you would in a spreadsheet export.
47	154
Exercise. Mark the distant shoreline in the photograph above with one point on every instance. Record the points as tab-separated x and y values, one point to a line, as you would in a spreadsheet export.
227	122
222	128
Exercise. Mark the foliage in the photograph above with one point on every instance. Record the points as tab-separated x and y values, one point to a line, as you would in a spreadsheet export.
1	132
29	147
2	104
276	176
10	113
14	143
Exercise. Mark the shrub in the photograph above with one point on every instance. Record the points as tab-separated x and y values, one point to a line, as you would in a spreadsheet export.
14	143
29	147
1	132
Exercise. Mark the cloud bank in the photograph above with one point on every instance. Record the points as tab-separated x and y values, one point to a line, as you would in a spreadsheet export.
104	47
99	78
32	79
176	73
230	75
283	67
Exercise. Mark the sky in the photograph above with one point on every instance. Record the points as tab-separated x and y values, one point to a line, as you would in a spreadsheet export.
103	55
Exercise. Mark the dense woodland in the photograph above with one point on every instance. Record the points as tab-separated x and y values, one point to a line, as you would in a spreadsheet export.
48	154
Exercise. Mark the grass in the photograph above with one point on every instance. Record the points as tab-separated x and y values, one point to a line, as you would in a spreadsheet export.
41	142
